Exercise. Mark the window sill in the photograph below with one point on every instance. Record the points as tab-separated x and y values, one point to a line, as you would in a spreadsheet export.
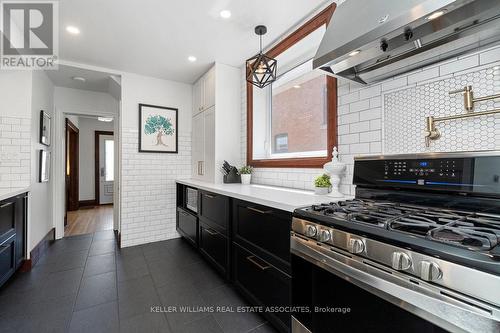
312	162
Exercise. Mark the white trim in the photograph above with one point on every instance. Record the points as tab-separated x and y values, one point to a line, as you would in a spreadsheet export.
59	197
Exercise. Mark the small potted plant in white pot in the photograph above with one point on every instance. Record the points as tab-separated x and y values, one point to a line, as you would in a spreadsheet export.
246	174
322	184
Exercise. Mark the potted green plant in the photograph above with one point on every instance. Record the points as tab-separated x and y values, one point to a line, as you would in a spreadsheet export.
322	184
246	174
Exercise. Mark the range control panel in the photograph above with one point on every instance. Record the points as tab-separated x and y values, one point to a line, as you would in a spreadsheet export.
456	174
424	168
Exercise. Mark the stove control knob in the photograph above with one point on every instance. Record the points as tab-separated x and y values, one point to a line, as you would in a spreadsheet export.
430	271
311	230
401	261
355	245
324	235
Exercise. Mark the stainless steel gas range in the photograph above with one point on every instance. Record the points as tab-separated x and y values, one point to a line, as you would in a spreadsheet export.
417	250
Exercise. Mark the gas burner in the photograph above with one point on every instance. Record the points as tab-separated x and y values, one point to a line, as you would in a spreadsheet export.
466	234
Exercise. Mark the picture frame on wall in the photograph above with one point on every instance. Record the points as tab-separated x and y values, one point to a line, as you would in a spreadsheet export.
44	166
45	123
158	129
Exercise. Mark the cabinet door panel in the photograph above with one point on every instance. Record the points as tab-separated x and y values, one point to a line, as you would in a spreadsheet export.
265	227
209	145
187	225
7	218
214	245
214	209
197	97
198	146
263	283
209	89
7	259
21	203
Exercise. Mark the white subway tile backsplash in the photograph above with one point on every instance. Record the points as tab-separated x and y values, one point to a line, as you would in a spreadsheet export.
148	189
459	65
359	127
395	83
424	75
15	153
370	92
370	114
490	56
349	98
360	105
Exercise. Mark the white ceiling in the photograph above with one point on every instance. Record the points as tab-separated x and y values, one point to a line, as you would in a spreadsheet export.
95	81
155	37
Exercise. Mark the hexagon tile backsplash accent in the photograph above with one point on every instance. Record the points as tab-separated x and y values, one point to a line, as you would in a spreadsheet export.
405	111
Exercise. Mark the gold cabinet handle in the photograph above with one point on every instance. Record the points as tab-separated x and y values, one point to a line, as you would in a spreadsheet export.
260	211
261	267
212	232
210	196
6	205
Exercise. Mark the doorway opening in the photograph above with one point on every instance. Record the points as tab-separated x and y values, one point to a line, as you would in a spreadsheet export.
92	211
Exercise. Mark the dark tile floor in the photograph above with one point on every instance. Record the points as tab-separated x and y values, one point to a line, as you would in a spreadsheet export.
86	284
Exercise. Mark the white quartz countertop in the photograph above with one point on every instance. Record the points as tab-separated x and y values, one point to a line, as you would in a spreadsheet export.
13	193
276	197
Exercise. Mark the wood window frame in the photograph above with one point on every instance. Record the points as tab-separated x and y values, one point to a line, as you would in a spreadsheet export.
331	83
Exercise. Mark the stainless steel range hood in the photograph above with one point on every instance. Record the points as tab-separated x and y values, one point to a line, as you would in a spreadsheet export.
369	41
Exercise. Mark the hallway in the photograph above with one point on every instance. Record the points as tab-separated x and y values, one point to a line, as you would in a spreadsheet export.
88	220
86	284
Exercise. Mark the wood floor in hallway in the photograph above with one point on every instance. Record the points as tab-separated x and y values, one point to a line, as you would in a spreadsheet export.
89	220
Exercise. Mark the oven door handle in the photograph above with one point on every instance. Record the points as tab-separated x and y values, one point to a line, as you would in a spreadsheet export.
420	299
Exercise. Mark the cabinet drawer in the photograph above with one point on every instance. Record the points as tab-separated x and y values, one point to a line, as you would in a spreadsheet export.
264	227
214	246
187	226
7	218
214	209
263	283
7	259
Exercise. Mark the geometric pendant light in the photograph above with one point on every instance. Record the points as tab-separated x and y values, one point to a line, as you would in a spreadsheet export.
261	69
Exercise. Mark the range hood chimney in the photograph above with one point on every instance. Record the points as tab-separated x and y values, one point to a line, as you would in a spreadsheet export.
369	41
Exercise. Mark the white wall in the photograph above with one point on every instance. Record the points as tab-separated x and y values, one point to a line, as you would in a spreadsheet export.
148	179
366	112
40	201
87	127
82	101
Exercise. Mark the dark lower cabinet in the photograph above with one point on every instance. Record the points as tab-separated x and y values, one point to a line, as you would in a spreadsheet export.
7	259
263	284
12	235
215	247
187	226
214	209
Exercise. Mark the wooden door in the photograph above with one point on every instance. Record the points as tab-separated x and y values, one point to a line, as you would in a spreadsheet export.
71	167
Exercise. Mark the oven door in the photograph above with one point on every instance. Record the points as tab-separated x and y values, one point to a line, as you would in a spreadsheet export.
334	291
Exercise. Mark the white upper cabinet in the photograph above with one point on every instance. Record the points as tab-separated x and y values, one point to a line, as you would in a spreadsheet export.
216	122
204	92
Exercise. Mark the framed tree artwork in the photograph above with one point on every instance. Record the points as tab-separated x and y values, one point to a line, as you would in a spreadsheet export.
44	128
157	129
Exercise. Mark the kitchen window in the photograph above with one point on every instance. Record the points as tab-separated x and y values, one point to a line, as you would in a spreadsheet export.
292	122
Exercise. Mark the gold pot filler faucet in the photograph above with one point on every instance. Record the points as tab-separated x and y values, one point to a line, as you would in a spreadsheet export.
432	132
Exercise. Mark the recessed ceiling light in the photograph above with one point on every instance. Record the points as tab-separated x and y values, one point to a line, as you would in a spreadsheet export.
353	53
192	58
296	86
73	30
436	14
105	119
225	14
79	78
